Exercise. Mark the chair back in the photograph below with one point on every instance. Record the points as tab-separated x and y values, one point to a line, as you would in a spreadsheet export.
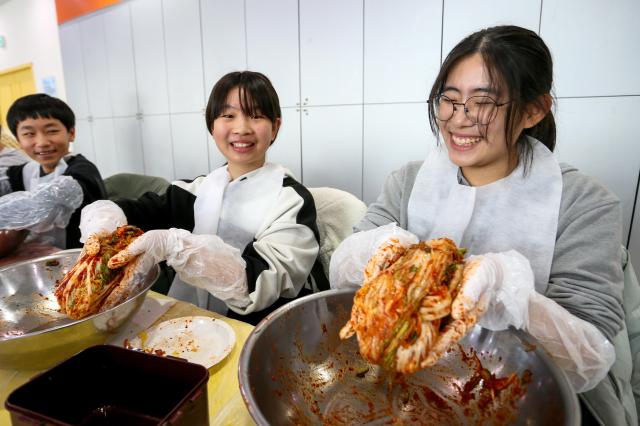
337	213
132	186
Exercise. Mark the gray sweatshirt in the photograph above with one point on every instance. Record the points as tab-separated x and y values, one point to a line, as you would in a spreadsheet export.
586	273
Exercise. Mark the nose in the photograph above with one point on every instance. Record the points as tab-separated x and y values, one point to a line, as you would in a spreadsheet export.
460	115
41	139
242	125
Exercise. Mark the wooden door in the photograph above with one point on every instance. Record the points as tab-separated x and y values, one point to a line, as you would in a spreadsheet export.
14	83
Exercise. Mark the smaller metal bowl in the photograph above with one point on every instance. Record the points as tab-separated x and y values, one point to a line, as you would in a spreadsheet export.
33	334
10	240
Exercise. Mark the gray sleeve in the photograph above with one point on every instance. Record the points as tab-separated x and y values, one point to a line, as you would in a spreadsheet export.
391	205
586	275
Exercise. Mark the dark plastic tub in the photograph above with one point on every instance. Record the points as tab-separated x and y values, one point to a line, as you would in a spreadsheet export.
110	385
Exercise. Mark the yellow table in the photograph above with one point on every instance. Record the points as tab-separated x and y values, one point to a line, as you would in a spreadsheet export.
226	406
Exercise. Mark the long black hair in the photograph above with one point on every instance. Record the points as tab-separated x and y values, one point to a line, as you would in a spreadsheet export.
518	64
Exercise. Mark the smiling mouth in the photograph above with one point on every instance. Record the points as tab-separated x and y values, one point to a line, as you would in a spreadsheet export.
241	144
465	141
47	152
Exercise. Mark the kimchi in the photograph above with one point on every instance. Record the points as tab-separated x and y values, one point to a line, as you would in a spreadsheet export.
91	286
405	303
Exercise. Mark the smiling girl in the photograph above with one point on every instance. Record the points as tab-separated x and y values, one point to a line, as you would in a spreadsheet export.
242	238
494	186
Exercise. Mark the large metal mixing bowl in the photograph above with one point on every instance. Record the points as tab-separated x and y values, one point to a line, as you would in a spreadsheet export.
294	369
33	334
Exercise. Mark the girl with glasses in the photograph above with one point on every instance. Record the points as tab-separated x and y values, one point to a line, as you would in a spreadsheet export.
494	186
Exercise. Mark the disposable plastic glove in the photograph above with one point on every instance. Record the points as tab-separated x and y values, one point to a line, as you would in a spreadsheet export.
498	291
100	217
50	205
348	262
204	261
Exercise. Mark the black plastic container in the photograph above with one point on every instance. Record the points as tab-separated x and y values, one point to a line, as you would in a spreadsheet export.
110	385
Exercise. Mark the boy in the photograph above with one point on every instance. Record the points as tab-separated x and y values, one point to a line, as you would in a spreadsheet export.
46	194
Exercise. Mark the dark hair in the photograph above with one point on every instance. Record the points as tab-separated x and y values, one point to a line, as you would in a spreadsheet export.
39	105
256	95
519	63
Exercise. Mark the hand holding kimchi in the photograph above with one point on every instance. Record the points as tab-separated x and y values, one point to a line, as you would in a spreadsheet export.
402	314
91	286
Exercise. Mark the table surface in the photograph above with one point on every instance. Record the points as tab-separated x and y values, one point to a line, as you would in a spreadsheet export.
226	406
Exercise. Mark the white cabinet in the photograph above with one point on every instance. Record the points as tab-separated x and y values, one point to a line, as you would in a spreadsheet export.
119	49
128	145
596	41
401	49
463	17
594	136
83	143
332	147
286	149
74	77
96	66
148	48
183	48
393	136
104	146
272	45
190	150
157	146
223	40
331	42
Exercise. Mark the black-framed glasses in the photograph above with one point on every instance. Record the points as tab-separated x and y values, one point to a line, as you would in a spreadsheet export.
478	109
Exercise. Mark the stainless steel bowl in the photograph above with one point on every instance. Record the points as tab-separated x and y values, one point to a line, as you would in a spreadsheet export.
294	369
10	240
33	334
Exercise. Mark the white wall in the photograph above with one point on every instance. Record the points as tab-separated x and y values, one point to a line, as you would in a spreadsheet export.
352	75
30	28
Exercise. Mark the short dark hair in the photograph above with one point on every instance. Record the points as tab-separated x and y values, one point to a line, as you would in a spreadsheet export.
256	94
519	64
39	105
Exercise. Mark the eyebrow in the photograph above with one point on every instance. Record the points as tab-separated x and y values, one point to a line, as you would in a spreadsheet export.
476	90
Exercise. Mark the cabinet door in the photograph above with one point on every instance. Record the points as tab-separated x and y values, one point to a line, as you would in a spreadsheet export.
128	145
104	145
148	49
463	17
332	147
122	77
223	40
190	151
401	49
273	49
331	51
96	66
83	143
595	149
74	78
286	149
393	136
592	47
184	55
157	146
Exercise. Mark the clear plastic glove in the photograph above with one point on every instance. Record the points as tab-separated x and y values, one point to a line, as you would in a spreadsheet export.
100	217
348	262
49	205
204	261
498	291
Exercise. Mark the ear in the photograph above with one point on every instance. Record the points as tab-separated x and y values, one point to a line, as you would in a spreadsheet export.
537	110
276	128
72	134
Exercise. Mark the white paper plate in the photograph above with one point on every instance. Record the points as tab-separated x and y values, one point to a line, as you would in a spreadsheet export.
201	340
